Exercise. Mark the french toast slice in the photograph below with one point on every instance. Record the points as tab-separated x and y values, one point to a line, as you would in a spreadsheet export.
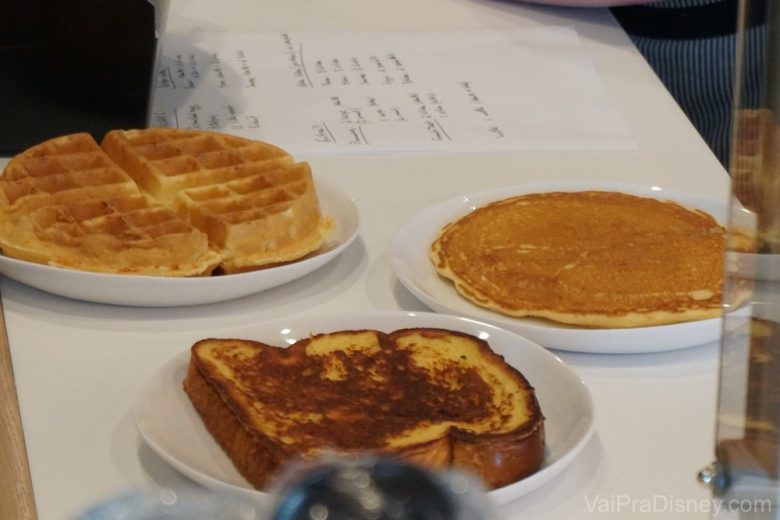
433	397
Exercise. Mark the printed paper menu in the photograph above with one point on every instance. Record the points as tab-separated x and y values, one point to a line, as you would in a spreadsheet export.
376	92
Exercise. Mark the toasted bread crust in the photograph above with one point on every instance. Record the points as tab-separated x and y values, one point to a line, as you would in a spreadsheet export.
256	461
502	459
510	448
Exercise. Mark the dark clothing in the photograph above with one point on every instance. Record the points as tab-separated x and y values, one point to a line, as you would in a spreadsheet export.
691	45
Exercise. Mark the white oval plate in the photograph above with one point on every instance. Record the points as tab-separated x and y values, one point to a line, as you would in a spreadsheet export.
409	257
172	428
160	291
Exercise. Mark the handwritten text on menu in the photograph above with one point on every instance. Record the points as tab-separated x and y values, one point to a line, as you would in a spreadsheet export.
336	92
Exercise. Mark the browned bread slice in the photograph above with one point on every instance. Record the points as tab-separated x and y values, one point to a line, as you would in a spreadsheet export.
434	397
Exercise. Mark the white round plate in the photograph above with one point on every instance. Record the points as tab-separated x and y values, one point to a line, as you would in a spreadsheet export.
160	291
172	428
409	257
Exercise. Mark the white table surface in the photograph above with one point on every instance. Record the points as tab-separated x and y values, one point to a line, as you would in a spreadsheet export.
80	366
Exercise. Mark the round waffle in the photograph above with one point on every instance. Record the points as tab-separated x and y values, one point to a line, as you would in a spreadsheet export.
159	202
590	258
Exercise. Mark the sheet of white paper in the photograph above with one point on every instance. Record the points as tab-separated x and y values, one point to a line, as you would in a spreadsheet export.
371	92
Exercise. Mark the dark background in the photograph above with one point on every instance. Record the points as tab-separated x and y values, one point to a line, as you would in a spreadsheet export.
81	66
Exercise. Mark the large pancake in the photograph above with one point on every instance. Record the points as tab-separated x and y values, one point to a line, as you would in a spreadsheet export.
590	258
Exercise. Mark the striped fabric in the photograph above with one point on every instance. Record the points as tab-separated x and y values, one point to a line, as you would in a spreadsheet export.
677	4
699	73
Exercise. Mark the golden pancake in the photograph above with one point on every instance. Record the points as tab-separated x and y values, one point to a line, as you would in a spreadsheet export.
590	258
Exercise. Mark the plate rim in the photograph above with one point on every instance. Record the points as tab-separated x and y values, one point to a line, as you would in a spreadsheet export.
548	334
178	362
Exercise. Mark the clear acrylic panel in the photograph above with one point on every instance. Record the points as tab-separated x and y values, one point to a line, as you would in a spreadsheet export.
748	428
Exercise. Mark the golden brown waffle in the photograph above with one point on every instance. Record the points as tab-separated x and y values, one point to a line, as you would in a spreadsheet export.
754	165
257	206
159	201
750	153
594	259
65	203
165	161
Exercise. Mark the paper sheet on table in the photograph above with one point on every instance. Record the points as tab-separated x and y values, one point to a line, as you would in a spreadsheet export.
373	92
